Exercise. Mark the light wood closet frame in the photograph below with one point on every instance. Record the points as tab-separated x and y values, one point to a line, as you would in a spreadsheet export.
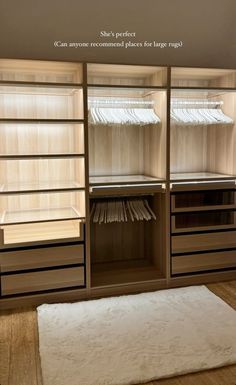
202	176
89	260
43	178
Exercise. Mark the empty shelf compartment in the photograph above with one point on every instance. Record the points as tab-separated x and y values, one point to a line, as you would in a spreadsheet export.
202	200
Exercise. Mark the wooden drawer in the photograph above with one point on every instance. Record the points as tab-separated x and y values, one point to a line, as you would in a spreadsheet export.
202	200
39	258
206	241
201	262
25	234
42	280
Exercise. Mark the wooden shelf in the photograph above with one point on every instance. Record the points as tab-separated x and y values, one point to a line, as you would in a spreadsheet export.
191	176
39	186
41	156
118	273
40	215
20	83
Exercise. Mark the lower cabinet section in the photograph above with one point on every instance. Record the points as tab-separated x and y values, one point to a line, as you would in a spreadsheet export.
183	264
200	242
42	280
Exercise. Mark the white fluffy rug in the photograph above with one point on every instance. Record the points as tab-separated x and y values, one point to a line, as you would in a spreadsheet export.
135	338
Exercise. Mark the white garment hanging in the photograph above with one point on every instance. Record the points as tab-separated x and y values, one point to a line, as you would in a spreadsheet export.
199	116
114	115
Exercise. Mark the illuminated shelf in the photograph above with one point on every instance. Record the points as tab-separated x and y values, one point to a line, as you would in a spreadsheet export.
39	186
199	175
40	215
110	179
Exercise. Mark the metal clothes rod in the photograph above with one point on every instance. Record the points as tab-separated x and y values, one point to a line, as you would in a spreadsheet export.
115	101
197	102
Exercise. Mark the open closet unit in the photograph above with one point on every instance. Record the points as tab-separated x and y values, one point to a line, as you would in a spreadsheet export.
127	120
42	176
114	179
202	170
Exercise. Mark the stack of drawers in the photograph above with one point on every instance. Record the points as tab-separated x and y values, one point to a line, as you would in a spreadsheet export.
37	269
203	231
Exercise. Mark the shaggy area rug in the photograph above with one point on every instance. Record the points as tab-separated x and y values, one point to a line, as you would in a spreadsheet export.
136	338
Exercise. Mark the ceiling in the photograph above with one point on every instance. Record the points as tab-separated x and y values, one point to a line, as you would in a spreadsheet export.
207	28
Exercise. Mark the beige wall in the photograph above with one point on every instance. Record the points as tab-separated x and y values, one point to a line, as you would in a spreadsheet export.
28	29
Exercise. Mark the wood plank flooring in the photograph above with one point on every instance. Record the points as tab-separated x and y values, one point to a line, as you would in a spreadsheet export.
20	362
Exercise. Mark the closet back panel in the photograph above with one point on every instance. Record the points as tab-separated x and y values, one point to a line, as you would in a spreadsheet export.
113	74
188	148
202	77
221	139
41	139
40	71
41	173
40	103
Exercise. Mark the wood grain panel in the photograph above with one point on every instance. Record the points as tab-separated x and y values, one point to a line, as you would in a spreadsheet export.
40	258
221	139
40	103
42	280
206	241
202	77
41	233
33	174
41	139
113	74
188	148
40	71
201	262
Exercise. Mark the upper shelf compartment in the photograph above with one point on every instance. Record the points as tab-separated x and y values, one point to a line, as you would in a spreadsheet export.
40	103
127	75
203	78
36	71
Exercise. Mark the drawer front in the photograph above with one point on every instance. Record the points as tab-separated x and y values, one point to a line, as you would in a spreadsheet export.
39	258
41	233
202	262
206	241
42	280
203	185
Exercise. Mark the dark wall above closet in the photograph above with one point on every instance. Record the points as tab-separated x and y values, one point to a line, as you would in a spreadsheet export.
207	28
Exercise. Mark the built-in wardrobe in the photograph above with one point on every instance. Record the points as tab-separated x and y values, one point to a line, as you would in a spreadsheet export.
114	179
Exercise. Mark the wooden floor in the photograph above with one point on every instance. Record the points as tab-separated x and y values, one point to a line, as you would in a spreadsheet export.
19	356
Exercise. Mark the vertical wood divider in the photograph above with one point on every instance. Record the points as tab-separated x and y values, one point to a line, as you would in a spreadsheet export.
167	220
87	202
